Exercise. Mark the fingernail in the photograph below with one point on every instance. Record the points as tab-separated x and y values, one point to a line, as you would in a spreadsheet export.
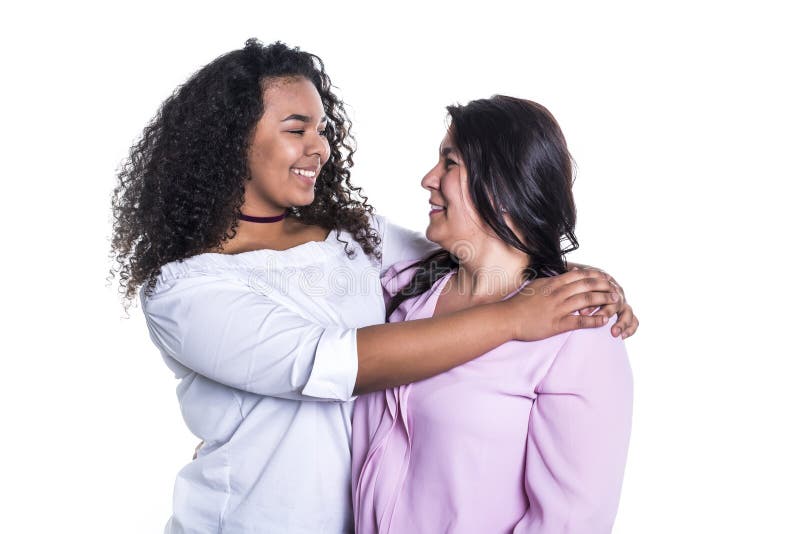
614	297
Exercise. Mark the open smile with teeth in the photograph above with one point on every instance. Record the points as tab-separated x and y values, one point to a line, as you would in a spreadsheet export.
435	208
304	172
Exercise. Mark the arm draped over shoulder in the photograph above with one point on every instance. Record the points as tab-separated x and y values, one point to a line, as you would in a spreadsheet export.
222	329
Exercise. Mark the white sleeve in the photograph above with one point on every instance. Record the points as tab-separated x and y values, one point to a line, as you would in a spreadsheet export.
401	244
231	334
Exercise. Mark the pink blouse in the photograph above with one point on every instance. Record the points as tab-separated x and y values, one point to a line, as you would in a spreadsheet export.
529	437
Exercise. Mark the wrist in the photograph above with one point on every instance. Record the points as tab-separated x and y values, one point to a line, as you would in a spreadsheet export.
505	319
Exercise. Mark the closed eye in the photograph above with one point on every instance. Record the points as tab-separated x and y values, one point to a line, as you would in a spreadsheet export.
448	162
301	132
297	132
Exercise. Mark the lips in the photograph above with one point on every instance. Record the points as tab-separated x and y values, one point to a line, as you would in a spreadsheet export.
307	173
436	208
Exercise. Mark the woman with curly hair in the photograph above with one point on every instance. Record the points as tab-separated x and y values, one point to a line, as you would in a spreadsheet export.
529	437
258	266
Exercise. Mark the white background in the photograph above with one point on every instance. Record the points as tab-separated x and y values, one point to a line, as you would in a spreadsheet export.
683	118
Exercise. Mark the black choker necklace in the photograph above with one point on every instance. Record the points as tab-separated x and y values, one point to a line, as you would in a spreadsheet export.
250	218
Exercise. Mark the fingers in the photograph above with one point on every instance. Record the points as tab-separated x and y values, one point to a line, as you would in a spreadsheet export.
574	276
615	307
572	266
584	289
632	328
622	323
626	324
589	299
584	285
617	286
589	279
576	322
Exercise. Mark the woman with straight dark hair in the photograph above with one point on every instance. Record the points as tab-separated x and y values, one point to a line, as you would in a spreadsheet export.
530	436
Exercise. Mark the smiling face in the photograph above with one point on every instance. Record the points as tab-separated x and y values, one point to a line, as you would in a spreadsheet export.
454	223
288	149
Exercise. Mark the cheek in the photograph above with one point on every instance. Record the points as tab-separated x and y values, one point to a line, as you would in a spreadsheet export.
261	152
266	167
457	196
287	152
276	156
255	160
465	217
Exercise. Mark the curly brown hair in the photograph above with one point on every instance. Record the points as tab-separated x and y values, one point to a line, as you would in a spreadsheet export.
181	190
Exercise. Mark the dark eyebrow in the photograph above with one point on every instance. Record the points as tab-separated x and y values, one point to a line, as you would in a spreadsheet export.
446	151
302	118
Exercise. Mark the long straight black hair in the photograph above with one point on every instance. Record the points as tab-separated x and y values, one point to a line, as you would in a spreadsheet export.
517	165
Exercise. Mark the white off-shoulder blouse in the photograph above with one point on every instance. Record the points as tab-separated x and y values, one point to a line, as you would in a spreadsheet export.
264	345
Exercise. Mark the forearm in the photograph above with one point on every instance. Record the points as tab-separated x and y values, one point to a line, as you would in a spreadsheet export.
393	354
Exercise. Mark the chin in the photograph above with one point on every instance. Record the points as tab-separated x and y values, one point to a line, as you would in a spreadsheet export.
303	199
430	234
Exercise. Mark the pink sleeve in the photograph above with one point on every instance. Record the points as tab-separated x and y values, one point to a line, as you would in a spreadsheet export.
578	435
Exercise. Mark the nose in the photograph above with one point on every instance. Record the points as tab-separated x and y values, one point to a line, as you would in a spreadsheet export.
431	180
319	146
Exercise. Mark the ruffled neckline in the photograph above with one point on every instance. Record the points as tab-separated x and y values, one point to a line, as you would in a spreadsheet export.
308	253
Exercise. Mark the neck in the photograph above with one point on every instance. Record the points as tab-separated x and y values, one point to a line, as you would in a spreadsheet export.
262	220
249	233
492	271
257	207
